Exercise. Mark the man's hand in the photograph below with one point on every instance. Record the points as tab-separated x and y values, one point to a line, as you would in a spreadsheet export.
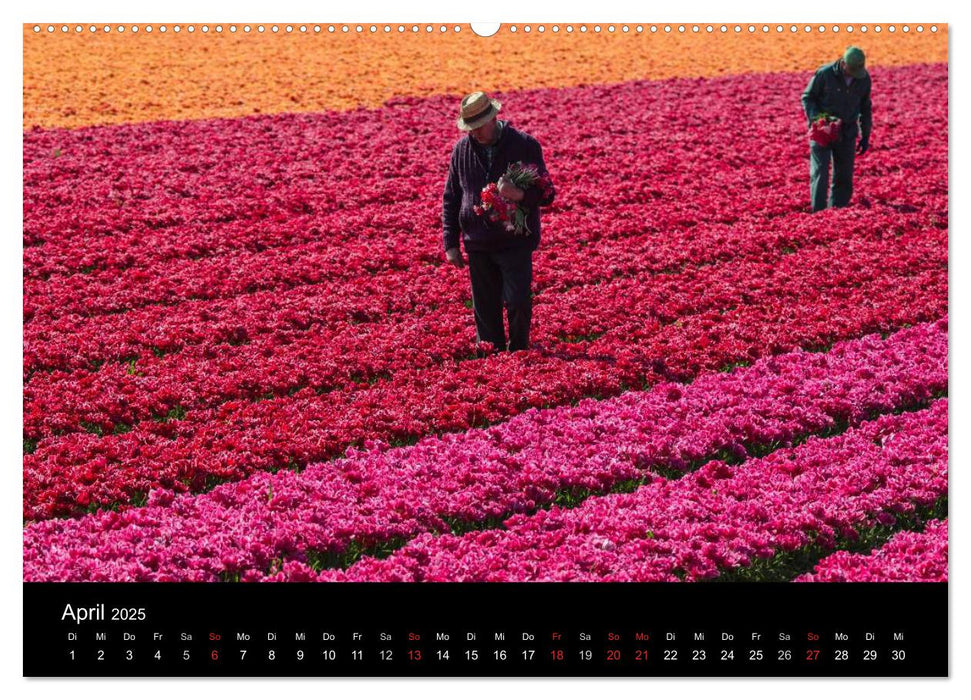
509	190
454	256
864	145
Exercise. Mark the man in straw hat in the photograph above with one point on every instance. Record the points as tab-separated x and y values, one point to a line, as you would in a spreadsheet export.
840	89
500	262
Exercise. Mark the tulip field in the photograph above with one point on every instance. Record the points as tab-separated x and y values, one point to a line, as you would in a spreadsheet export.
245	357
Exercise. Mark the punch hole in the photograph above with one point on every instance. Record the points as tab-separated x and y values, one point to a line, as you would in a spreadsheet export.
78	29
556	28
934	28
667	28
625	29
121	29
541	29
653	29
863	29
850	29
737	29
527	29
569	29
596	28
64	28
303	29
695	29
583	27
878	29
610	29
359	29
36	28
219	28
681	28
822	29
429	29
709	29
639	29
920	28
906	28
836	29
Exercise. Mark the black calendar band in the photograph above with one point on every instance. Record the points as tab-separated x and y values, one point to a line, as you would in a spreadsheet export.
537	629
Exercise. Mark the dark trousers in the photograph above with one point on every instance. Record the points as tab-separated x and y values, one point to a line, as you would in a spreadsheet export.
841	154
499	277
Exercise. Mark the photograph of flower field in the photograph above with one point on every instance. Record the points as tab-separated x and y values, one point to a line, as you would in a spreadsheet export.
245	357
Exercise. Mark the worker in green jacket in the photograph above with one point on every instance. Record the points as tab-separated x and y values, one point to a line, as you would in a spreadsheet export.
840	89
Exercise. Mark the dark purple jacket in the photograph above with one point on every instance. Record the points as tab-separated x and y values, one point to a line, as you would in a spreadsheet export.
467	175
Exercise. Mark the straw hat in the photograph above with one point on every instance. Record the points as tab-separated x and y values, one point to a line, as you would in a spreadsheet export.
476	110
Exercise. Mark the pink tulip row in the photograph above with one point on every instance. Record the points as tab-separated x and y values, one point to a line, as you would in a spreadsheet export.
376	495
256	173
695	528
281	359
907	556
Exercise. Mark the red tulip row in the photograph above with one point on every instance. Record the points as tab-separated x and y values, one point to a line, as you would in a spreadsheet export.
138	195
75	342
282	359
810	298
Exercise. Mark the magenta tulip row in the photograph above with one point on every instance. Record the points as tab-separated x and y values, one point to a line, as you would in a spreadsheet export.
701	526
375	495
907	556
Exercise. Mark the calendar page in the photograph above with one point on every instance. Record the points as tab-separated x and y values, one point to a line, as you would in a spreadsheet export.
447	349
